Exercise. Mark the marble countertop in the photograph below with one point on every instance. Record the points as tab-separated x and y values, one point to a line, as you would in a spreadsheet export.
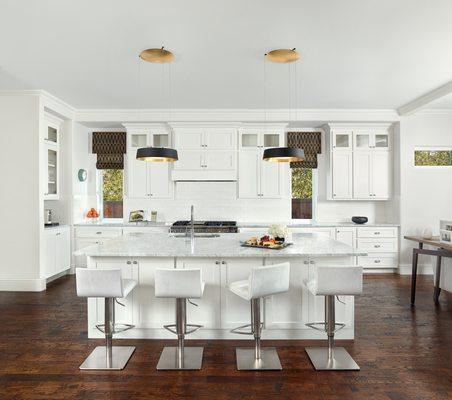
124	224
228	245
314	224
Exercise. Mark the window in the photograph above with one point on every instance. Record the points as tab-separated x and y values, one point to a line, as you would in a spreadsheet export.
302	190
433	157
111	192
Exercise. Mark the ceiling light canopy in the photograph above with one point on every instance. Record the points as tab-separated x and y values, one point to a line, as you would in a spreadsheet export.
157	154
157	55
283	55
283	154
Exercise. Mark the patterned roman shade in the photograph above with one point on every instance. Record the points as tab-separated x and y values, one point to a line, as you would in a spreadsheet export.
310	142
110	148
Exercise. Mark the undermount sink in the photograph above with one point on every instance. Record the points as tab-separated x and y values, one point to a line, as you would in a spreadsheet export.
196	235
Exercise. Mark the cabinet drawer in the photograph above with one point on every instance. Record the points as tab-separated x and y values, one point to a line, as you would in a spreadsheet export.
98	232
377	261
377	245
387	232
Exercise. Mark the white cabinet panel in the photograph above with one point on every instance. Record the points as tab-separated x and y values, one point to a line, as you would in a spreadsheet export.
160	184
362	175
57	251
49	254
271	185
221	139
377	232
137	176
206	314
189	139
190	160
342	174
346	235
328	232
380	175
378	261
249	174
377	245
63	250
220	160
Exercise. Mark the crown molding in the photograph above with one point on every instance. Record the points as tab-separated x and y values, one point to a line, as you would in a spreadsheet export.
435	112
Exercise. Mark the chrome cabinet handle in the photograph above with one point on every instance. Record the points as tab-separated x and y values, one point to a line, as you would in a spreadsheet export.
217	262
58	234
377	246
98	233
377	233
377	261
311	262
305	262
129	262
223	263
135	262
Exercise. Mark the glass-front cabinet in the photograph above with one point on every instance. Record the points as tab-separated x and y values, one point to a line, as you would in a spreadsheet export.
342	140
51	155
366	140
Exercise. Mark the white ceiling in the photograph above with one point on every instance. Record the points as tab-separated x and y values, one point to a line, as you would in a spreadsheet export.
355	53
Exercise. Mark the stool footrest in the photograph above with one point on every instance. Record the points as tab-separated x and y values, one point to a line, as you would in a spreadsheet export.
315	325
240	329
187	331
117	328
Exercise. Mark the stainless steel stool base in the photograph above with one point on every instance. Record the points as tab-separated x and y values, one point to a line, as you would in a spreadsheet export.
120	355
341	359
169	359
246	359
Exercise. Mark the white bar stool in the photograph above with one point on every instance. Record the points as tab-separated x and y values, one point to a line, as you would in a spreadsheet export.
330	282
181	284
106	283
263	281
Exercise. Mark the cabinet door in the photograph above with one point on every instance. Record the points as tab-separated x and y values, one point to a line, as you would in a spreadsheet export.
381	141
49	254
271	182
137	175
63	250
342	140
362	140
235	311
122	314
346	235
362	175
328	232
160	184
52	172
220	160
249	174
207	313
342	175
381	179
220	139
190	160
289	310
189	139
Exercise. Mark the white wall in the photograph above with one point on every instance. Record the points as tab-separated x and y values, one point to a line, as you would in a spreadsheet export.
20	204
425	193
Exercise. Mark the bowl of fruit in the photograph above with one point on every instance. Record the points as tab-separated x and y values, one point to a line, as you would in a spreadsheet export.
92	215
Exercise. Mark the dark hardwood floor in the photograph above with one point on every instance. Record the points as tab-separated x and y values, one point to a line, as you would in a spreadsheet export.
404	353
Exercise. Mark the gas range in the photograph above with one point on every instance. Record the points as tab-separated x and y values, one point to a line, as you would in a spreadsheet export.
205	227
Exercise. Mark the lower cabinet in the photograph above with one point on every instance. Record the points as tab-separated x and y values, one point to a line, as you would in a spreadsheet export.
57	252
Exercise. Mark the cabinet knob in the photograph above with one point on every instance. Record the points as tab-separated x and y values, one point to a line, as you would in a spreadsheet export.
377	246
217	262
312	262
135	262
377	261
305	262
223	262
376	233
129	262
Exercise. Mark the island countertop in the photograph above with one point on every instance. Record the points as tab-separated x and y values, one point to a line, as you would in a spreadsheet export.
227	245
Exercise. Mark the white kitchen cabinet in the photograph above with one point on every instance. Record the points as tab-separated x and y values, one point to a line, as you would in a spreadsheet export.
258	178
342	175
346	235
57	251
362	175
342	139
51	153
371	175
381	175
92	235
365	139
146	179
327	231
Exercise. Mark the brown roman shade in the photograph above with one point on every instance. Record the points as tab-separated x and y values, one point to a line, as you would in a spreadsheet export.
110	148
310	142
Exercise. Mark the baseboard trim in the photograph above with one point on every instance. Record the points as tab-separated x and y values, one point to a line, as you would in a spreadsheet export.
22	285
421	269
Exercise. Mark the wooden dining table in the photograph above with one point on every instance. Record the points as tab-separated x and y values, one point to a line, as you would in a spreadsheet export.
440	250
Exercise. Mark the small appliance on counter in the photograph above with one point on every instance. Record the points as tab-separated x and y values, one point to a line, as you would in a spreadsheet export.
48	219
360	220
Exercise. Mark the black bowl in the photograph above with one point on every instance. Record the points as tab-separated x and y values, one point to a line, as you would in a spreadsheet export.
360	220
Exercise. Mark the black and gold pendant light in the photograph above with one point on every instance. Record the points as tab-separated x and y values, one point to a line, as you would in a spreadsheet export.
157	154
283	154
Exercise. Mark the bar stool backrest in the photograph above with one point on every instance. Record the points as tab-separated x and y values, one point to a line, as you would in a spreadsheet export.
93	282
338	280
269	279
178	283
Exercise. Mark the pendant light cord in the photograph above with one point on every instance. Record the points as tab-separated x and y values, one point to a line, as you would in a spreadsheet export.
265	91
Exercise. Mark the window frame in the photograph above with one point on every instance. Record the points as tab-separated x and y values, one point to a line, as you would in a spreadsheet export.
430	148
315	185
100	196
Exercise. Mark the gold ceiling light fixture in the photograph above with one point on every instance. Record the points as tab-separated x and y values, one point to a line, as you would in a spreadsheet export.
283	55
159	56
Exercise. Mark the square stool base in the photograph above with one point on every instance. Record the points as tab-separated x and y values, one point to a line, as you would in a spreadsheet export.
341	359
98	358
169	358
269	359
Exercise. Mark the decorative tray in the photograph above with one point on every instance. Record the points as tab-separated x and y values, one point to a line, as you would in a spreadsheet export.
275	247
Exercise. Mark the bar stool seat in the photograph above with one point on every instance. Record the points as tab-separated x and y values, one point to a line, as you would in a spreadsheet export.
107	284
332	281
180	284
264	281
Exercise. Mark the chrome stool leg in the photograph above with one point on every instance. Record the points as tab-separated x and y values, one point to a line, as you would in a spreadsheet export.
330	357
181	357
258	358
108	356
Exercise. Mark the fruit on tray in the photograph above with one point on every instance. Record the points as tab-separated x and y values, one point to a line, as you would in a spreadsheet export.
265	241
92	213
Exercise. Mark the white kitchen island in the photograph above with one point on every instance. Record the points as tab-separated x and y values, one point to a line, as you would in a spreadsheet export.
222	261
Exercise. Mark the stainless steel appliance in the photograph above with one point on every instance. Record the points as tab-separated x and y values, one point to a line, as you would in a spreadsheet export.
204	227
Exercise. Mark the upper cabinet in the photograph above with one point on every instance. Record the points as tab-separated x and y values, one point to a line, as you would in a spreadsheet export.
51	157
359	161
258	178
205	153
147	179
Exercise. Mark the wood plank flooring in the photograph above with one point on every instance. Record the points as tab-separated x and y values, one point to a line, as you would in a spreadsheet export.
404	354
